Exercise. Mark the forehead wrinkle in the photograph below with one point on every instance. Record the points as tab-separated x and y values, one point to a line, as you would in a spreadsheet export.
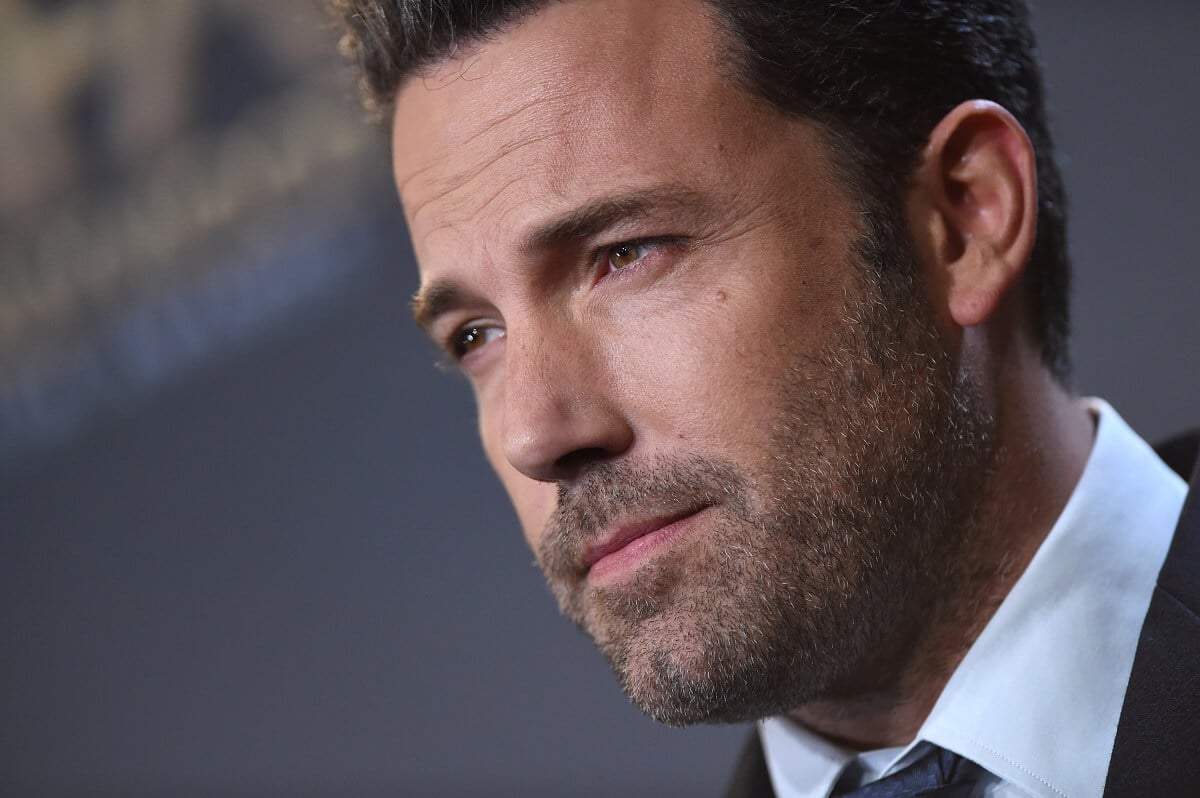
491	125
452	223
468	177
403	184
511	115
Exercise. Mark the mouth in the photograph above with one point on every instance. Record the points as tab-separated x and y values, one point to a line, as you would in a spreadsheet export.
631	544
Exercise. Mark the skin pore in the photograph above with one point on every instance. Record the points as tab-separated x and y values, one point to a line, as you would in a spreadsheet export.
670	309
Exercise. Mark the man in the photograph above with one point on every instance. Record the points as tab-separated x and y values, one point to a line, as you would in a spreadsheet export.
764	305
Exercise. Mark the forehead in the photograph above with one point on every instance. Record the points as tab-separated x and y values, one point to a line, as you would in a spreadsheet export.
578	98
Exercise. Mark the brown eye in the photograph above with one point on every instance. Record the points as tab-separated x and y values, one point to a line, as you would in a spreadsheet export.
624	255
468	339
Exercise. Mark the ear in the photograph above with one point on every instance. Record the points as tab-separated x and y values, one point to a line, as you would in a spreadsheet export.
973	209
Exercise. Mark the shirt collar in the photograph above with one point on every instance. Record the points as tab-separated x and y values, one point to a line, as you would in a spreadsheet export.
1037	698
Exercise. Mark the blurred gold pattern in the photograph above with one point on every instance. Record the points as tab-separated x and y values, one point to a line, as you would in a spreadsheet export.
138	140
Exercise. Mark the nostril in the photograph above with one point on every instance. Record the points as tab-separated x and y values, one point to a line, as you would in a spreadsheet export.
574	461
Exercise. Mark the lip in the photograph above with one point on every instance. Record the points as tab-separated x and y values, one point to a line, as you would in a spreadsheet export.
632	542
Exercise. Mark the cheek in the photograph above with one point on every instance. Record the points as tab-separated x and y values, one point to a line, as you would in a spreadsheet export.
703	372
533	501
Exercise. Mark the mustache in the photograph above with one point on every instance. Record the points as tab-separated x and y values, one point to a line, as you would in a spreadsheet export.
607	493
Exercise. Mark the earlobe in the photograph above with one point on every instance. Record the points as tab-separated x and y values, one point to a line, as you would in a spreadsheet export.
979	179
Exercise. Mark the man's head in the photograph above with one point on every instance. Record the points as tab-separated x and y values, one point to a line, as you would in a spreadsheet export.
878	75
734	283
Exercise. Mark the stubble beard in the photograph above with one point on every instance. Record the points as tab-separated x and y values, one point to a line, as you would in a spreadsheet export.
812	576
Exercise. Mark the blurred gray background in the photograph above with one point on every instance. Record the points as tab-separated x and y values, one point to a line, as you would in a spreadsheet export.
247	543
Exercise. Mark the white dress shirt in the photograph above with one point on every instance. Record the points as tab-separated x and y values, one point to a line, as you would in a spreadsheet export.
1036	699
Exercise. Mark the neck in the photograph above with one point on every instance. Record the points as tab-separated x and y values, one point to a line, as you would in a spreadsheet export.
1044	436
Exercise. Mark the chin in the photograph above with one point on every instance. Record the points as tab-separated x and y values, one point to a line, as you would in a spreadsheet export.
679	694
683	669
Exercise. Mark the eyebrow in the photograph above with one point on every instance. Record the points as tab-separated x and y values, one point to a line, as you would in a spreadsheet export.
433	300
599	214
588	220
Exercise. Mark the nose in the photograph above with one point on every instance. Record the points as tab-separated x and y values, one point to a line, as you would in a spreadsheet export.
560	411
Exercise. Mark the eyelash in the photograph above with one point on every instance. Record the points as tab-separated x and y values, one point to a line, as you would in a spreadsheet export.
602	254
452	346
600	257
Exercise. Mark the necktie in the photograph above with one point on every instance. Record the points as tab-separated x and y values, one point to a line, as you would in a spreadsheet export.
939	773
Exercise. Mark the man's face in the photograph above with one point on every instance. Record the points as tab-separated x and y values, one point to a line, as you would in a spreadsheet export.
735	458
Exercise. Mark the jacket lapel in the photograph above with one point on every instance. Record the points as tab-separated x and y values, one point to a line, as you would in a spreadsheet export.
1158	735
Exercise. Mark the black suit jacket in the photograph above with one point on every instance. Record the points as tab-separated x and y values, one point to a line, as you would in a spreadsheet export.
1157	749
